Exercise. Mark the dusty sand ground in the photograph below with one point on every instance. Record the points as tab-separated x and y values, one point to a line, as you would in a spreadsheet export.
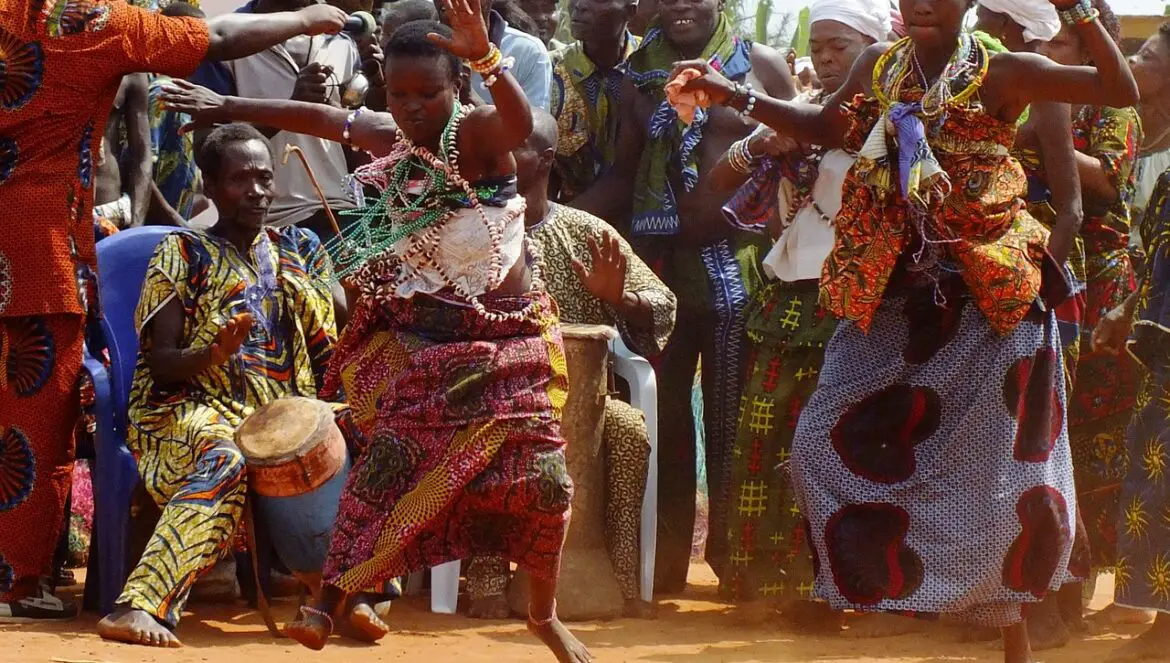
693	628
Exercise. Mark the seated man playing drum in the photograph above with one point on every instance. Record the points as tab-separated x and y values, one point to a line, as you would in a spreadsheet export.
230	319
597	279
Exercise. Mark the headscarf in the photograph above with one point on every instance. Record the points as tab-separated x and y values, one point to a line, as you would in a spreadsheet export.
1037	18
869	17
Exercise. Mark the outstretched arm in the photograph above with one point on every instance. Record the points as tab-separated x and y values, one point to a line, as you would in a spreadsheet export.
371	131
235	35
819	125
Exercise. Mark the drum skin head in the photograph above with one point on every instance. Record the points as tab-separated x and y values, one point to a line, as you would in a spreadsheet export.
589	332
278	430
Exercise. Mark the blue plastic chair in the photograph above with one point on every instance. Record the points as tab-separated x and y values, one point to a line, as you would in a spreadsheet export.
122	262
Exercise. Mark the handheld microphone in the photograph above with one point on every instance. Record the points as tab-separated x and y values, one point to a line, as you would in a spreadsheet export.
360	24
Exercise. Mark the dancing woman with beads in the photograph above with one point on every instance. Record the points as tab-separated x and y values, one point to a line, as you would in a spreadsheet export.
452	360
932	461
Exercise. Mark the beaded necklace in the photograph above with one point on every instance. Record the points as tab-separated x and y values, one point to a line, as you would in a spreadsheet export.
924	183
415	210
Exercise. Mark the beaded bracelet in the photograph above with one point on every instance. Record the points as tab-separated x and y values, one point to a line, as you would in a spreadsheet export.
751	102
349	124
1078	14
739	157
487	63
494	74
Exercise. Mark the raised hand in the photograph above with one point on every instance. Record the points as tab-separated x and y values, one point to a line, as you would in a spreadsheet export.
230	337
323	19
204	106
313	84
470	34
606	279
709	81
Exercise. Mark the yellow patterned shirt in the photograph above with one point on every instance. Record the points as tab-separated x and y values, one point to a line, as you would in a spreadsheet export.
286	352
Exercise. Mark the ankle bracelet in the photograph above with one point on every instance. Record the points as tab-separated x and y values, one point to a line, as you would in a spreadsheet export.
552	615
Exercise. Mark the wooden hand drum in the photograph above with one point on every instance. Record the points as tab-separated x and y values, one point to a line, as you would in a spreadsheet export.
588	588
297	465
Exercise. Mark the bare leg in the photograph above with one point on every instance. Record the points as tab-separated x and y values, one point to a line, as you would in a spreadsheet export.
543	623
1046	628
136	627
1149	646
1016	647
1071	602
315	624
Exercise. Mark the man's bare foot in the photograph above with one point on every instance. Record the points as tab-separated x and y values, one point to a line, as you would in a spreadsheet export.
1149	646
136	627
1046	628
311	630
754	613
562	643
883	625
1115	615
491	607
366	625
639	609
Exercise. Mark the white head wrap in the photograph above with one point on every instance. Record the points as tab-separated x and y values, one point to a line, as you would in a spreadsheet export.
1037	18
869	17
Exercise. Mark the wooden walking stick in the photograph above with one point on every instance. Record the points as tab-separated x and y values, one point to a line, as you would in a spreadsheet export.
291	149
351	291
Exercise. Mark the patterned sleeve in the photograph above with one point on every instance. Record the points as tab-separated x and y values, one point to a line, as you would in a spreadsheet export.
161	44
642	281
1155	226
167	277
1114	138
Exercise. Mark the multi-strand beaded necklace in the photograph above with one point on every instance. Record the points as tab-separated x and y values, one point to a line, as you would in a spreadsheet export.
368	248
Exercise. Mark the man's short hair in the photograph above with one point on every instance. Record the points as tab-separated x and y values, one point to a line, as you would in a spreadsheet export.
210	156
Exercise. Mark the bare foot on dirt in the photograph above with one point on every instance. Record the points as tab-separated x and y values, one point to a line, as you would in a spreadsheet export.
754	613
562	643
366	625
639	609
813	617
883	625
492	607
1046	627
974	633
1115	615
311	630
136	627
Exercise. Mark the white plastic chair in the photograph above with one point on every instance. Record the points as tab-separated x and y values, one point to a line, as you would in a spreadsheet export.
444	587
644	396
635	370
